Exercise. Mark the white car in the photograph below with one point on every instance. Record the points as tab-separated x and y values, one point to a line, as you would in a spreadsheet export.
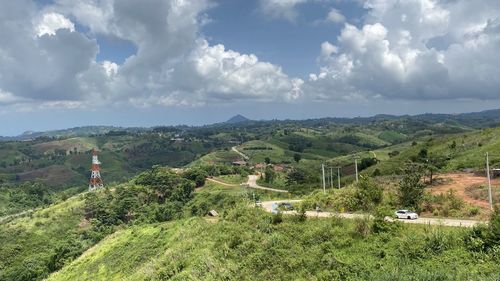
405	214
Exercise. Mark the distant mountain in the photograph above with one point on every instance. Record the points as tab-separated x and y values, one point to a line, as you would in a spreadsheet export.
237	119
71	132
462	121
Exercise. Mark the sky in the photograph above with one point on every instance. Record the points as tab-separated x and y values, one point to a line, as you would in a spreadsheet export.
67	63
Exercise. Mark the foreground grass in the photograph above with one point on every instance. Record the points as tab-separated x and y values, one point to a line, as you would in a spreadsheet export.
248	244
28	243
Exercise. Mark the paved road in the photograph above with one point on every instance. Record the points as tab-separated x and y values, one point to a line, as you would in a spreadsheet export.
240	153
268	206
252	183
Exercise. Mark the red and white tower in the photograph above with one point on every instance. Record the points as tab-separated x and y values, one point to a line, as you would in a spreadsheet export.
95	177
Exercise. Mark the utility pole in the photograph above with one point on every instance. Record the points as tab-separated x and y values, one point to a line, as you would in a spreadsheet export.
338	176
489	180
356	165
331	177
323	172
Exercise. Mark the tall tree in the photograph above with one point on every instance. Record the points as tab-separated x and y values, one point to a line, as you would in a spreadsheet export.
411	189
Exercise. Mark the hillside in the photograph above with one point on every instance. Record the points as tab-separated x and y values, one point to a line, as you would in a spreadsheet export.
155	227
247	245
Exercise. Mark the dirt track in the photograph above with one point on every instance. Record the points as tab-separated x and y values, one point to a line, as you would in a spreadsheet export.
458	182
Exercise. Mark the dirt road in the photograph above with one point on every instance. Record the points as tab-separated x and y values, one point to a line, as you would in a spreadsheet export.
221	182
240	153
252	183
268	206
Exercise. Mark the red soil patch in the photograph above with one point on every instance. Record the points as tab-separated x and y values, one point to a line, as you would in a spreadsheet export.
459	182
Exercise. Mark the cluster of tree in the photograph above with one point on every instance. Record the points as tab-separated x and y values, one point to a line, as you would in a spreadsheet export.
158	195
298	144
25	196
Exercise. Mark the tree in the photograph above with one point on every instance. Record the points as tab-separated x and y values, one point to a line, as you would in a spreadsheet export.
270	174
367	162
267	160
197	175
411	189
296	176
297	157
369	194
434	163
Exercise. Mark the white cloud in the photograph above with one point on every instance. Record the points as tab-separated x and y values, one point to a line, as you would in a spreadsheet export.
281	8
335	16
111	68
393	56
52	22
173	65
227	74
8	98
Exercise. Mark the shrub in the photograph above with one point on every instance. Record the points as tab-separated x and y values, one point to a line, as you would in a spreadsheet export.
369	194
277	218
436	242
473	211
362	226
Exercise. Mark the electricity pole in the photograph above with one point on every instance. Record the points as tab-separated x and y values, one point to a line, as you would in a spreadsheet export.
338	176
323	172
331	177
489	180
356	165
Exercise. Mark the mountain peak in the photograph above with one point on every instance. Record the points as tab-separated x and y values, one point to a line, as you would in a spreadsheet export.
237	119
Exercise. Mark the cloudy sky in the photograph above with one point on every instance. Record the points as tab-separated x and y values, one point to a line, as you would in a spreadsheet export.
66	63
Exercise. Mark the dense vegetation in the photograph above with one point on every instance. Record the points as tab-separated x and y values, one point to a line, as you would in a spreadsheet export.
151	223
248	244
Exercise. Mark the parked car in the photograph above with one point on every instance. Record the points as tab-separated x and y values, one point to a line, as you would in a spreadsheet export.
285	206
406	214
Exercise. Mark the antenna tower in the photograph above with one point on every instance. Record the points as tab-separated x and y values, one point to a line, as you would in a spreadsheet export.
95	177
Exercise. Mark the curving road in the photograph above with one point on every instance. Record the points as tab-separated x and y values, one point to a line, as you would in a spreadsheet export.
221	182
268	206
252	183
240	153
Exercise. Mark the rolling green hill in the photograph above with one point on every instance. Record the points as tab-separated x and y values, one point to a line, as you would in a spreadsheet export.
247	245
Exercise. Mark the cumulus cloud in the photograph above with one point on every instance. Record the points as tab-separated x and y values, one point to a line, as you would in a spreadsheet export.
51	22
335	16
173	65
392	54
285	9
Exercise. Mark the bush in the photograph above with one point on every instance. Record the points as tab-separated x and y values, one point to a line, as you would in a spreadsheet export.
369	194
436	242
277	218
362	226
380	224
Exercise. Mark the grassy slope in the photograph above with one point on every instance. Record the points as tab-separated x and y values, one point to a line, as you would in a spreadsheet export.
29	241
246	246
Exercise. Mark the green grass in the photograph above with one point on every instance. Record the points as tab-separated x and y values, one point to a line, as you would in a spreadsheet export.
233	179
246	245
275	152
29	242
217	157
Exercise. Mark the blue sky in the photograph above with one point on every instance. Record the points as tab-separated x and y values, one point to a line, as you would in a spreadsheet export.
66	63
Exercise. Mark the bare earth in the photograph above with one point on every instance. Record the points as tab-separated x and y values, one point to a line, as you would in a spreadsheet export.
458	182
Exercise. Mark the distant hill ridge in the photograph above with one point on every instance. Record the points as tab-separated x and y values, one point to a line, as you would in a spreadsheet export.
482	119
